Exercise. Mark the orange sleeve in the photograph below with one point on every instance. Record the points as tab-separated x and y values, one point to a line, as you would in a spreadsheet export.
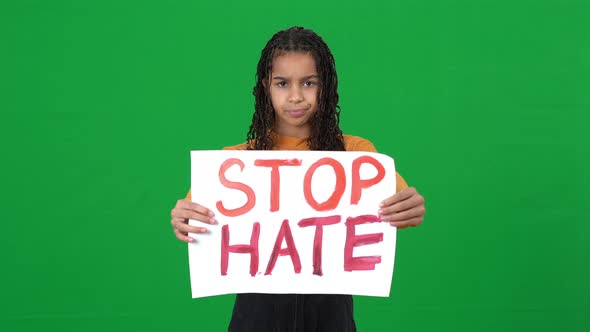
188	196
400	183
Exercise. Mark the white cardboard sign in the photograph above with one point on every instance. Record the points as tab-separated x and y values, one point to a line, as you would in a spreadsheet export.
292	222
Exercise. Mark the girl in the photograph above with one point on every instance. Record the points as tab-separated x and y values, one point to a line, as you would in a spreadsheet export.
297	109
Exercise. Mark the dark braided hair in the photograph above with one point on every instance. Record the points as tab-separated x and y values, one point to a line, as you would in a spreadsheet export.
325	128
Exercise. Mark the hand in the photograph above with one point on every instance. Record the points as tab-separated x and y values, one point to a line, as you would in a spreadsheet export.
185	210
404	209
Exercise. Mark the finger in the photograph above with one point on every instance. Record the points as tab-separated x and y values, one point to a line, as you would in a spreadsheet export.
185	228
404	215
188	205
398	197
190	214
407	223
177	221
183	237
407	204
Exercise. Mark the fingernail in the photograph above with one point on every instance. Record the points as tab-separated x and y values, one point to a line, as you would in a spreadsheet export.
212	220
211	214
203	230
380	211
190	239
381	204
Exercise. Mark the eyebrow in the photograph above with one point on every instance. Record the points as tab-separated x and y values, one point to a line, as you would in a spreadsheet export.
304	78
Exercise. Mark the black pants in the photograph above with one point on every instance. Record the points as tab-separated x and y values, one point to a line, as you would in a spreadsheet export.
292	313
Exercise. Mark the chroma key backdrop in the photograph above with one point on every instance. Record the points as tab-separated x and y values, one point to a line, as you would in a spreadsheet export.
483	104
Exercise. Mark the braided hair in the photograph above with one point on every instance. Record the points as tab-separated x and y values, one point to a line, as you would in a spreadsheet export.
325	129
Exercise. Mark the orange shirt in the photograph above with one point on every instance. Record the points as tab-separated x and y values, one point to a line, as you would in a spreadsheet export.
351	143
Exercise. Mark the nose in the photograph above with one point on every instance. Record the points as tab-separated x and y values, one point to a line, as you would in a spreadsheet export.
295	94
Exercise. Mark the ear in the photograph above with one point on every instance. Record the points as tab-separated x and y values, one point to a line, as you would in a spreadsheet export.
264	82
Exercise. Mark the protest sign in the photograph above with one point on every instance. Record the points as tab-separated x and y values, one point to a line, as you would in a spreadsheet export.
292	222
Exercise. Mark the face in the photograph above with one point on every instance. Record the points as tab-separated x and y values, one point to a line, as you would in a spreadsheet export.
294	86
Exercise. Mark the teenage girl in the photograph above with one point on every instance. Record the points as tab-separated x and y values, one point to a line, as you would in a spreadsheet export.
297	109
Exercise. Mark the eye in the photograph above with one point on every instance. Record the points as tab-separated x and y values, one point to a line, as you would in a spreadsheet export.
309	83
281	84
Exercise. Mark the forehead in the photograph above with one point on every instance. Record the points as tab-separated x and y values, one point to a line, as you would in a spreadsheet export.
295	64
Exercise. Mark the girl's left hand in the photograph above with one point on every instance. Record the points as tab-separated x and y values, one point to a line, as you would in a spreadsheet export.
404	209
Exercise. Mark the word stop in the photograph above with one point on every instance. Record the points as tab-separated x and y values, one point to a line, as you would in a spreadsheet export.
357	184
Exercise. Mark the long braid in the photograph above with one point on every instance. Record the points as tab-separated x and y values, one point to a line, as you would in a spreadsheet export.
325	123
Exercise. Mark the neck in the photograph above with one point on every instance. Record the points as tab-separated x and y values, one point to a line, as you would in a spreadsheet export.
299	132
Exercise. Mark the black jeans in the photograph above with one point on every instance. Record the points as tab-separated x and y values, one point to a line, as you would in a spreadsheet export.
292	313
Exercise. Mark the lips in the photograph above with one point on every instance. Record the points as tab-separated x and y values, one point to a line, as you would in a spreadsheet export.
296	113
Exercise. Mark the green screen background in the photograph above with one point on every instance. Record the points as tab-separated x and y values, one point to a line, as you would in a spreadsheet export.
483	104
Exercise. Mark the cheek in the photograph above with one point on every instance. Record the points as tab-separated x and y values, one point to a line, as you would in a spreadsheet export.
312	98
275	99
311	95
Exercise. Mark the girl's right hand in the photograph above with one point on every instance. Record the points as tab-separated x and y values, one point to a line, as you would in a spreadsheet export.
185	210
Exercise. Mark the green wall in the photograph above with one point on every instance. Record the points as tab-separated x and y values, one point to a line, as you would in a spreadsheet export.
484	105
